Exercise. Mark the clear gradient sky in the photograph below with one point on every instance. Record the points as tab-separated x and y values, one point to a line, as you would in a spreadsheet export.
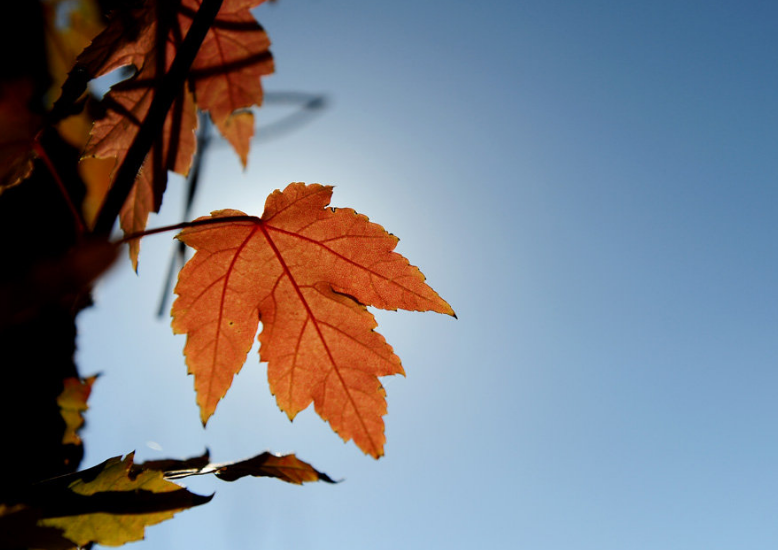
593	186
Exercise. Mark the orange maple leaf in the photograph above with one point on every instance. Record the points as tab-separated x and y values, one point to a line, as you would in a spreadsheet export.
225	74
224	80
307	272
227	70
113	135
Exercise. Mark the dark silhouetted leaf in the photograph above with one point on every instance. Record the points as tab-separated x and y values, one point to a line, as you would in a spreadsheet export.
287	468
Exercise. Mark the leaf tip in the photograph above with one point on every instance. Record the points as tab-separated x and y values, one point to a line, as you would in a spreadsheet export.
197	500
376	452
445	308
205	416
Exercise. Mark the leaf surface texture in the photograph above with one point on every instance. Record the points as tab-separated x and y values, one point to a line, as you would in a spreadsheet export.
307	272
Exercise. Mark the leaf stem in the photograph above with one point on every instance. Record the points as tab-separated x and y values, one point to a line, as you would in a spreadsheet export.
170	86
186	225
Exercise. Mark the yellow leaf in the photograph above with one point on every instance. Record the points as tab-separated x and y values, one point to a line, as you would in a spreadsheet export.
113	503
72	402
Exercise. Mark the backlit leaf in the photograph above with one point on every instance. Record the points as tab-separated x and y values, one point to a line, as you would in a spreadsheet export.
307	272
111	504
227	71
224	80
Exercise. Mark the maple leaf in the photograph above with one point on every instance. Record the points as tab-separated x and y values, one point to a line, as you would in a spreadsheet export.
110	504
227	70
224	80
307	272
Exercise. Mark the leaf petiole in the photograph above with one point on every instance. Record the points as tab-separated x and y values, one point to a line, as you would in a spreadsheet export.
185	225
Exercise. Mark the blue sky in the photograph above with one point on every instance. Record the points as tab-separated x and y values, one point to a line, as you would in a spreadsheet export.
592	186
